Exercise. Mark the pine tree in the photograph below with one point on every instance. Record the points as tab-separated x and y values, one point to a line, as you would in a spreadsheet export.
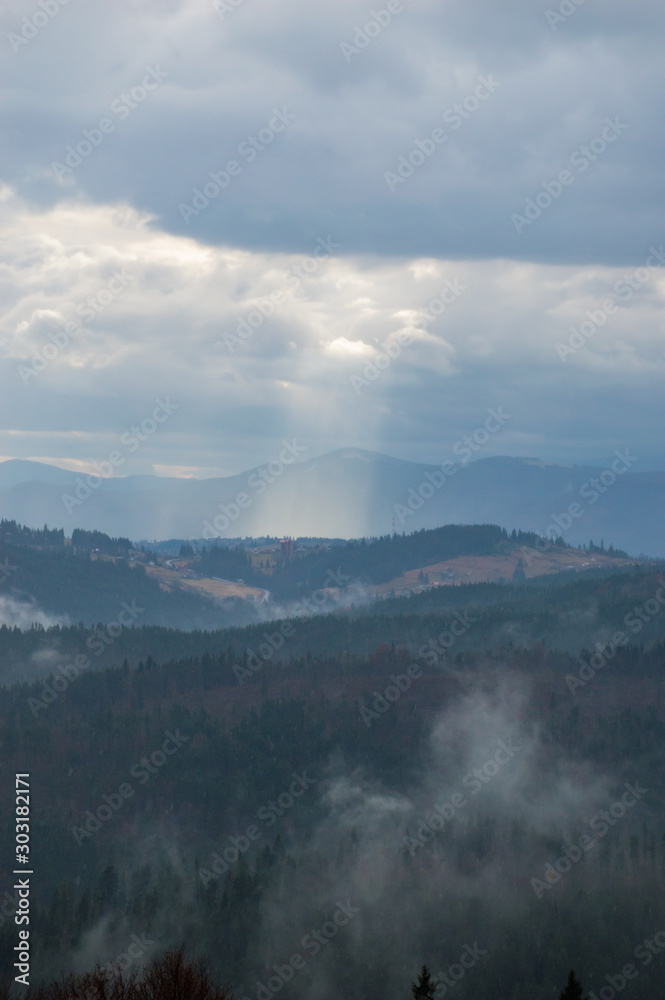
573	990
425	987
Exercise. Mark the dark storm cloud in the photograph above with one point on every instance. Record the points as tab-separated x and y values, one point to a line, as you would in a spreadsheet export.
356	112
541	191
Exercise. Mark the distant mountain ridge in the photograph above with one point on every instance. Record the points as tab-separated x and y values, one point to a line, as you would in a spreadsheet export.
351	493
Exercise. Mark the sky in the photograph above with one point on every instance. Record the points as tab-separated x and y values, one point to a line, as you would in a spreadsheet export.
337	224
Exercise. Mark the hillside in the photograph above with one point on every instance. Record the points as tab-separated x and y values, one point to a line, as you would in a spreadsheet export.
434	820
228	790
89	578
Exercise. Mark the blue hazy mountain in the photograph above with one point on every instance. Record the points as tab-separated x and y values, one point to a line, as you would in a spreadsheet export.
350	493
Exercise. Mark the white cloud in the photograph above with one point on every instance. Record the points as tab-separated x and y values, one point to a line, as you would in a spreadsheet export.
342	346
164	333
185	322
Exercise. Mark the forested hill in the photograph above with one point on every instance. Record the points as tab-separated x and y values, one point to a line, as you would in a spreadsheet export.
566	612
422	762
173	802
88	577
370	560
42	578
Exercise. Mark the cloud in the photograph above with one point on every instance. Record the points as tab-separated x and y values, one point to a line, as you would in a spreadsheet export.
196	324
23	614
223	78
343	347
212	309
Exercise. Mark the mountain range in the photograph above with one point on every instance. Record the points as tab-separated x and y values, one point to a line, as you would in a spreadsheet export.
351	493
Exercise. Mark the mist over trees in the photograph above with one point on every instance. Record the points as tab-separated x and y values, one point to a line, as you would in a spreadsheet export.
466	782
